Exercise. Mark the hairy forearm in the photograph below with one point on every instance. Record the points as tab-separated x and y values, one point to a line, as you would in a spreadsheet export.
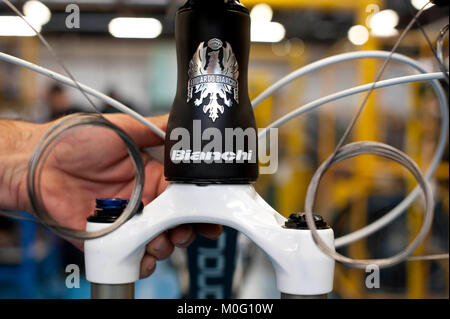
17	140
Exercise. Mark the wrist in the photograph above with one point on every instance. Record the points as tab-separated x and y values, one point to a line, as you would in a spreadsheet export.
17	141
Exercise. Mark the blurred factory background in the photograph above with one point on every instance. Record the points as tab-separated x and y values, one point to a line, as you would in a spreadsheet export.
139	69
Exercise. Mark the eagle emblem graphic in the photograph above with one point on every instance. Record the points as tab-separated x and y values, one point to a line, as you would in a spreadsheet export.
213	78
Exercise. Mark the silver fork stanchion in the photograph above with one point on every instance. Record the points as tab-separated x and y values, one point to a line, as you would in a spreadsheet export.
109	291
288	296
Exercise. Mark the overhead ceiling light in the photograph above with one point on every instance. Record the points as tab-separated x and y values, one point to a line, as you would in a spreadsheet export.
36	12
138	28
358	34
389	18
263	29
383	23
261	13
13	26
267	32
419	4
384	33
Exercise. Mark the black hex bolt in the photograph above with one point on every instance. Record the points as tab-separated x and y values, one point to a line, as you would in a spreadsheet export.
298	221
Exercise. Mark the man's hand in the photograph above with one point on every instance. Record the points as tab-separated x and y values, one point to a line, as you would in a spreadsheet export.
87	164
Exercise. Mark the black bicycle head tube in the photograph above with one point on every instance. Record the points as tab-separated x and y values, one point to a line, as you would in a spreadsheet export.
211	134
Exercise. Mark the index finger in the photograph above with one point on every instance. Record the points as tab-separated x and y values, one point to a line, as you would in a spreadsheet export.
141	134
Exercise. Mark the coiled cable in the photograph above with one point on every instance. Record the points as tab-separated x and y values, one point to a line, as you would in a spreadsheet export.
59	130
386	151
440	148
41	152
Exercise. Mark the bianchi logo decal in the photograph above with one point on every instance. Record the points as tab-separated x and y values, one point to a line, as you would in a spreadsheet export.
213	75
